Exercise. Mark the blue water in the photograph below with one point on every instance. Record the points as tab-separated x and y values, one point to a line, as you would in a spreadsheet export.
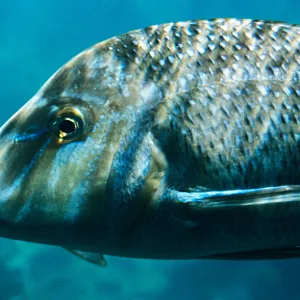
37	37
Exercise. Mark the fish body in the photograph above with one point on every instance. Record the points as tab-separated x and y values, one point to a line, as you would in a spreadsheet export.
175	141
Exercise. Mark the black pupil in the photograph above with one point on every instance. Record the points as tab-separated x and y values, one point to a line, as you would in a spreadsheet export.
67	126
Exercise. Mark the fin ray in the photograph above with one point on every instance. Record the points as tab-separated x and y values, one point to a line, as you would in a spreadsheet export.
232	198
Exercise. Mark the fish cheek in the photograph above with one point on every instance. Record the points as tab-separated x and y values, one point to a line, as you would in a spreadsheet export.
65	183
34	202
19	160
32	198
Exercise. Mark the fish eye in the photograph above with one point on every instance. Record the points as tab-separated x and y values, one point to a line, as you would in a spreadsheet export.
67	123
68	126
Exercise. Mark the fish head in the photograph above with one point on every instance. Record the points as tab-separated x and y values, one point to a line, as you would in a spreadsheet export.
62	151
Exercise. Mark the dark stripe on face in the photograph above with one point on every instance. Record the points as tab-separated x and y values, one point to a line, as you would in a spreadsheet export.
127	176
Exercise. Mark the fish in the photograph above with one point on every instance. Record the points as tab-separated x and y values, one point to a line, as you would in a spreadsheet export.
176	141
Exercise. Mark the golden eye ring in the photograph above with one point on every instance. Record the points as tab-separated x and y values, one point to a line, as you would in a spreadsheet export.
67	123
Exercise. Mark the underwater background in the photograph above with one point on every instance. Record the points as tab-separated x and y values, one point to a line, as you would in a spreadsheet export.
37	37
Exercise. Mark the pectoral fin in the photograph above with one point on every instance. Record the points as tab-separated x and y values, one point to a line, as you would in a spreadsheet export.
263	208
94	258
281	253
235	198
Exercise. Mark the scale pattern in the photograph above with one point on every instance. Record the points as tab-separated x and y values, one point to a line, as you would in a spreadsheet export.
230	113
